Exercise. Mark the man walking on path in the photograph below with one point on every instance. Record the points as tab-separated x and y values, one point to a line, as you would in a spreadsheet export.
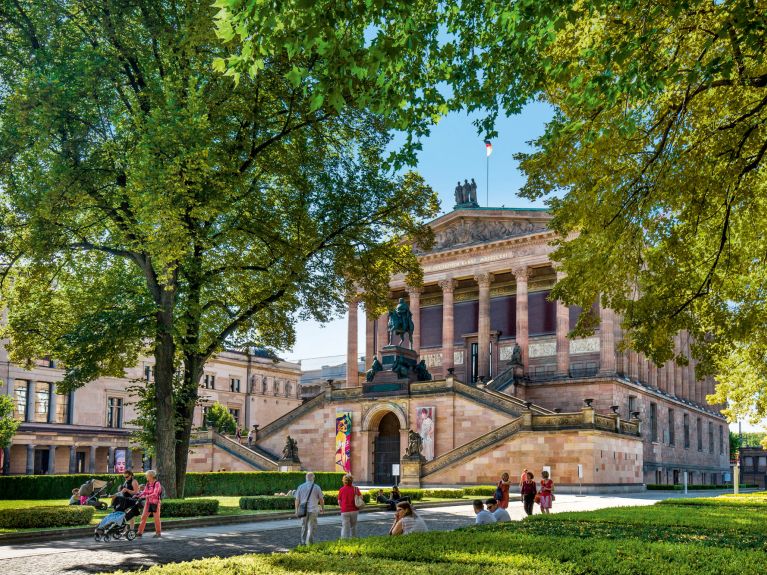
309	502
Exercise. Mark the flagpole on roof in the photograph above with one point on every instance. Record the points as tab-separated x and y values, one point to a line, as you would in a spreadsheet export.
488	151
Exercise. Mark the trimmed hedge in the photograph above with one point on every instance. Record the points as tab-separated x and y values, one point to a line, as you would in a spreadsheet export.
444	493
480	490
287	502
39	517
197	484
189	507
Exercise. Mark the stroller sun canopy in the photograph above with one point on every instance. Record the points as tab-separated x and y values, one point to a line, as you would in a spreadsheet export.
87	488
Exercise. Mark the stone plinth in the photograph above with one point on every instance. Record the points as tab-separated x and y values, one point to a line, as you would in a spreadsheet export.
289	465
387	381
410	473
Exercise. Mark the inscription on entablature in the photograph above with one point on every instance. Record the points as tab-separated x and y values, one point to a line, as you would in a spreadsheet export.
525	250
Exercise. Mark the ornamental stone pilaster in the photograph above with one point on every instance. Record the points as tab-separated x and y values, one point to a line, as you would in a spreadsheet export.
563	328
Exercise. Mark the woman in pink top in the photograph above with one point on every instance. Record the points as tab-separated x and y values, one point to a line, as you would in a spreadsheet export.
349	510
152	493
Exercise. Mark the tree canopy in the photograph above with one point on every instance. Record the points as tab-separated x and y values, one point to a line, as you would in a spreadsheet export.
653	164
151	206
8	424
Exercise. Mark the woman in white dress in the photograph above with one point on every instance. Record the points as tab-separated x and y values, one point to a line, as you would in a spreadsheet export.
427	434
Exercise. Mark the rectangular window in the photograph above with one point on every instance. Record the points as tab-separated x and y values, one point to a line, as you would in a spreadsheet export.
236	414
62	408
20	390
654	422
710	437
209	381
671	435
205	409
686	431
748	462
632	405
761	464
42	401
234	385
149	372
721	441
700	434
115	412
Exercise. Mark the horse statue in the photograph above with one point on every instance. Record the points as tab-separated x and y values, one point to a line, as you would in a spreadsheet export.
401	323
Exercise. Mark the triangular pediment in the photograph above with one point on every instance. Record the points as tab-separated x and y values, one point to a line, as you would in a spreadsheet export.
468	227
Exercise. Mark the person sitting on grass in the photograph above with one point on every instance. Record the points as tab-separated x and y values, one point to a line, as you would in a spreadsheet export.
498	512
406	521
484	517
381	498
75	499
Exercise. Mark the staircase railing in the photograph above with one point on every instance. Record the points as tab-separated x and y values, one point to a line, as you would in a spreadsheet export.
290	416
244	453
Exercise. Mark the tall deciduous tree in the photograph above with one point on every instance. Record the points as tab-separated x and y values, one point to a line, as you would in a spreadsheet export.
150	205
654	164
8	424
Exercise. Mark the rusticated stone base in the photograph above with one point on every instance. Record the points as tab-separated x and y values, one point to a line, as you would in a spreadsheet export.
410	473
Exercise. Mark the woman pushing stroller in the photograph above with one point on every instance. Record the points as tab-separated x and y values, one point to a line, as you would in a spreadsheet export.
127	490
152	494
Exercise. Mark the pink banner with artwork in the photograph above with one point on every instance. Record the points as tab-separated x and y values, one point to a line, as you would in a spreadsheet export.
425	423
344	441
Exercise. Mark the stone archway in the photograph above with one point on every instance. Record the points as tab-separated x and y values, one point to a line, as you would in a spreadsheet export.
370	431
386	449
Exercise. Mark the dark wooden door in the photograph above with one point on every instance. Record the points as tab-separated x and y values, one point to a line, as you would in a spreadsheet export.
385	455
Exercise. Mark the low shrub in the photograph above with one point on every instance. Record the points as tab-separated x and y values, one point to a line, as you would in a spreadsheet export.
39	517
189	507
480	490
444	493
413	494
262	502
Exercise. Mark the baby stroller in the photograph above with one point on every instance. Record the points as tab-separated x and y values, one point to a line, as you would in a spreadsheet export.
115	525
92	490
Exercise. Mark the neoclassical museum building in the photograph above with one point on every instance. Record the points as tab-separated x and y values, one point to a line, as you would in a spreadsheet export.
595	417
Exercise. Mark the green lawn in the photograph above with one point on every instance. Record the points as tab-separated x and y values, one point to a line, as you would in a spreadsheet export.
721	536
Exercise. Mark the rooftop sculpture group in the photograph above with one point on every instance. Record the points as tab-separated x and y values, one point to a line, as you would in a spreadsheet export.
466	194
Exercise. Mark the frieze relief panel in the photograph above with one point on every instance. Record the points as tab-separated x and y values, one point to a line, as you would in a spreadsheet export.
585	345
504	352
469	232
458	357
542	349
433	359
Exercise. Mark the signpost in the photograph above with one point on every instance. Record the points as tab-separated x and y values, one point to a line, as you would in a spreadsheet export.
395	472
685	481
580	480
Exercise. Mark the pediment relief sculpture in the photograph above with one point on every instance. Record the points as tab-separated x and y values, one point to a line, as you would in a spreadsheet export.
468	232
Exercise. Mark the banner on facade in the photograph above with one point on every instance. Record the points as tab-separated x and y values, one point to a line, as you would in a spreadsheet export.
344	441
425	423
121	457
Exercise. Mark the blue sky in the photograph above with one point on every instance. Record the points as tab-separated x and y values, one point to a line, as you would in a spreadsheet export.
453	152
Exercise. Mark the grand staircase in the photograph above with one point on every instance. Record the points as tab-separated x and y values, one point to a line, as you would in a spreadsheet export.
282	422
257	458
472	448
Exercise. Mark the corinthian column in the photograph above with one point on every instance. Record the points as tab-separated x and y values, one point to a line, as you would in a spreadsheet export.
483	325
520	275
563	328
415	309
447	286
606	340
351	345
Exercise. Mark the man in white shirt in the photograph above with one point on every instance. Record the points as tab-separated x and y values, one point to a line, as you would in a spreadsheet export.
498	512
484	517
310	495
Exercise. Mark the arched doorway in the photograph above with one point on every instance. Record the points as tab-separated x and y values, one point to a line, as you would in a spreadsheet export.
386	451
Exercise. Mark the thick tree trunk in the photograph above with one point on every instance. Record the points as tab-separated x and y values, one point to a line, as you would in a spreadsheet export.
165	434
193	369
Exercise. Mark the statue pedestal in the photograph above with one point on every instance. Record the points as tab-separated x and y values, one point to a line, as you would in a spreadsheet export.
289	465
388	382
410	473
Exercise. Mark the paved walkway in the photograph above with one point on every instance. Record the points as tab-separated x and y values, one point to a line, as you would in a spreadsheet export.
81	556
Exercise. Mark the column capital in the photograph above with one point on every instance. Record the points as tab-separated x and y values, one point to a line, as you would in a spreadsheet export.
484	279
413	290
521	272
447	285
